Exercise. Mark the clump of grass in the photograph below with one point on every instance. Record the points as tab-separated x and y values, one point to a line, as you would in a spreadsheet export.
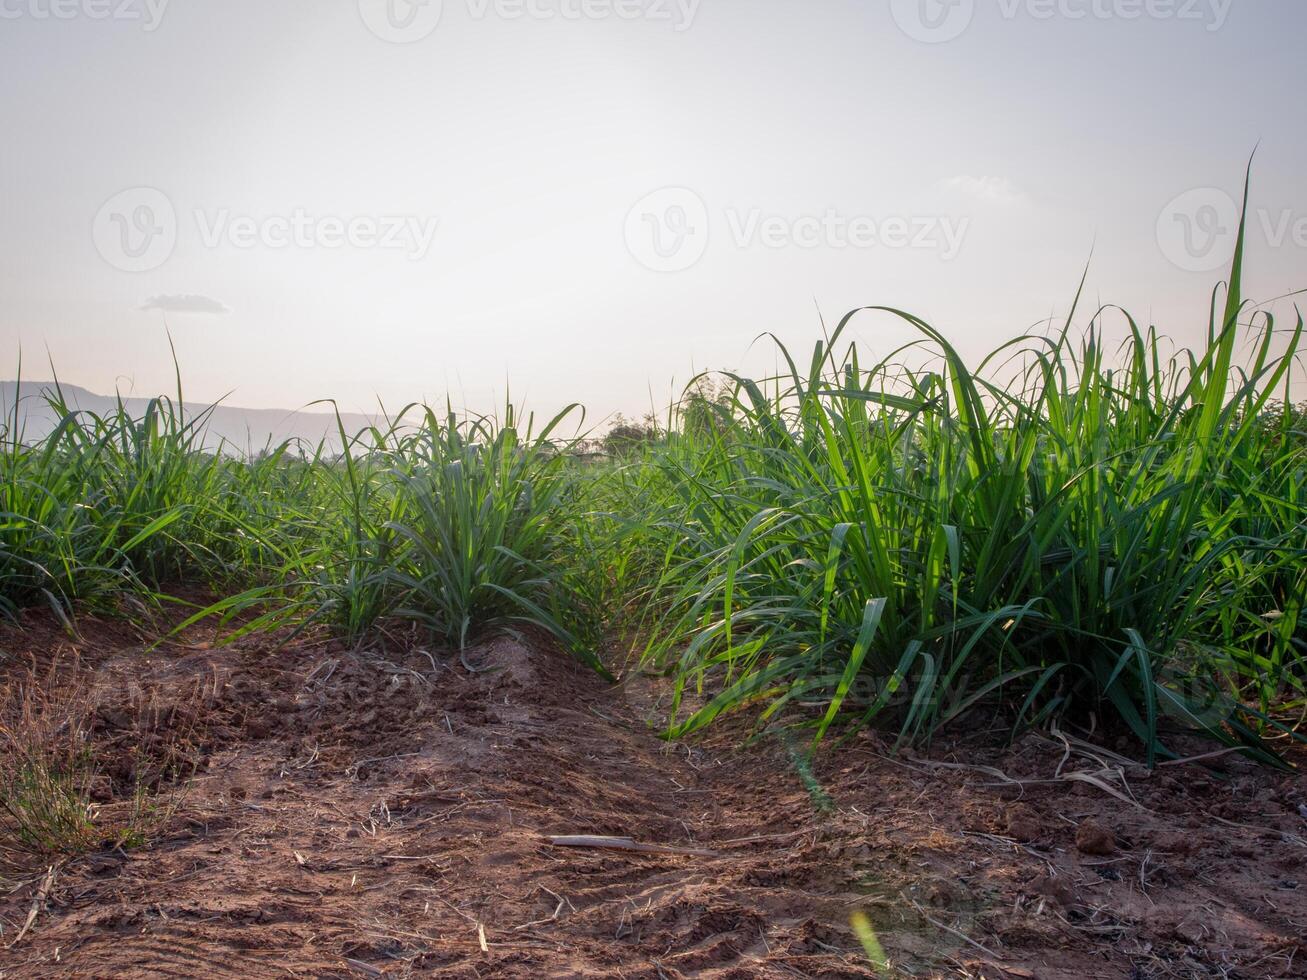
49	769
114	505
45	786
1058	531
460	524
486	507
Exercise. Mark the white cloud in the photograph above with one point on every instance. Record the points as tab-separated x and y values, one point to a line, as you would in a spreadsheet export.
991	190
186	303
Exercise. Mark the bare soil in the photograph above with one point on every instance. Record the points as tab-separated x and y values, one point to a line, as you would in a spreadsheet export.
364	815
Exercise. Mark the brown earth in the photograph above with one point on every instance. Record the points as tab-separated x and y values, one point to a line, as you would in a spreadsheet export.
367	815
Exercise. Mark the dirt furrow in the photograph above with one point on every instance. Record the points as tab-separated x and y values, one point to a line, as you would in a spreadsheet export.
358	814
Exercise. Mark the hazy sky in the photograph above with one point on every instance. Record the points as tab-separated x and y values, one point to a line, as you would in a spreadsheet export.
586	198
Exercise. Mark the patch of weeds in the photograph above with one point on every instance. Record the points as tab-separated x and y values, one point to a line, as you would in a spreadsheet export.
53	800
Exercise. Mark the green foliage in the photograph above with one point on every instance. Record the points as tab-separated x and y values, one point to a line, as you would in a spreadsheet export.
628	436
106	505
483	524
1065	531
1060	529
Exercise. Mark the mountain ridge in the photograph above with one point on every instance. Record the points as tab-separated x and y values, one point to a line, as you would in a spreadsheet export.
242	429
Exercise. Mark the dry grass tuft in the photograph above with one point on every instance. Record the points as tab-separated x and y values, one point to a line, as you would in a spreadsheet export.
55	801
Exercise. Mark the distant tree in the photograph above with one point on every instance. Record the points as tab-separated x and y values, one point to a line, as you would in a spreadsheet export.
629	435
1288	421
705	407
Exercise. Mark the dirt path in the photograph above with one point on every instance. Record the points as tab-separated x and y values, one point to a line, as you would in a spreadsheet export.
354	816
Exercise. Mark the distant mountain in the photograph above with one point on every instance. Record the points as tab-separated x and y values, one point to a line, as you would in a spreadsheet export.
243	429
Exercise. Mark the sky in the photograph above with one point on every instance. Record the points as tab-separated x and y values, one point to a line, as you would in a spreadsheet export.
591	200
